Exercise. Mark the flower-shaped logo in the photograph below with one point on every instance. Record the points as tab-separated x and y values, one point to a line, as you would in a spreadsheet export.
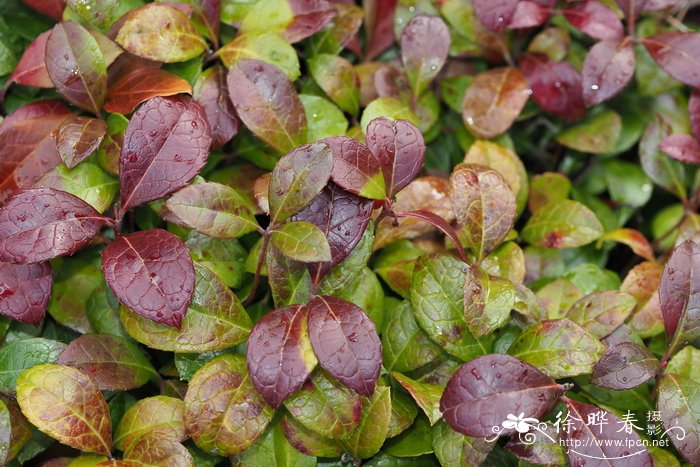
520	423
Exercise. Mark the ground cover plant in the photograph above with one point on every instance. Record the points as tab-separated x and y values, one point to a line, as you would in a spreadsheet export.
384	233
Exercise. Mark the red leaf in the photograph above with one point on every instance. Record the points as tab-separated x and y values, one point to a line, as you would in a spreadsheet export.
42	223
379	25
487	389
596	20
425	44
556	86
678	53
355	168
27	148
151	272
682	147
31	69
78	137
624	366
140	85
165	145
52	8
211	91
605	441
25	290
279	354
346	343
694	111
495	14
528	14
310	16
608	68
632	8
342	217
399	146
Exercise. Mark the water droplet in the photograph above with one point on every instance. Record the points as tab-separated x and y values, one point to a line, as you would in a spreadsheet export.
470	120
353	337
132	157
557	84
594	87
476	374
433	67
399	20
177	158
194	124
500	19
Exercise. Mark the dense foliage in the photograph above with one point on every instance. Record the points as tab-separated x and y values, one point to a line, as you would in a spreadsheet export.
315	232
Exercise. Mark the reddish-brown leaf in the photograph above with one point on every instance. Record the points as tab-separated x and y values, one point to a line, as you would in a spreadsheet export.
682	147
52	8
425	43
379	26
151	272
595	19
678	53
694	111
279	353
31	69
355	168
42	223
632	8
27	148
25	290
624	366
495	14
165	145
608	68
140	85
211	90
556	86
78	137
529	14
346	343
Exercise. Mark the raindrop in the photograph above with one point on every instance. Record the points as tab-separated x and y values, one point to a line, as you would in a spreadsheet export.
353	337
476	374
500	19
470	120
594	87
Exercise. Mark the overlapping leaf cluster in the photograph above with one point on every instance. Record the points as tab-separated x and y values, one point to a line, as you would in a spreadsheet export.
316	232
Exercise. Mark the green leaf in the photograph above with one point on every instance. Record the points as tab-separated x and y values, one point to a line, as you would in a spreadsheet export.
601	312
264	46
308	441
224	413
345	272
273	449
152	449
685	363
15	357
20	428
453	448
302	241
669	174
337	77
395	263
86	181
403	413
560	348
388	107
289	280
102	310
426	395
366	292
99	13
548	187
324	119
159	415
370	434
225	258
405	346
596	134
415	441
506	261
565	224
627	183
67	307
679	403
487	301
66	405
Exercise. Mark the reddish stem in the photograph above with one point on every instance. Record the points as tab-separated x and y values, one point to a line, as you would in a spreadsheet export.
441	224
258	268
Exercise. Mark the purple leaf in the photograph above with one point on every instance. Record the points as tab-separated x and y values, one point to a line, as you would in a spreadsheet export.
495	14
342	217
355	168
596	20
309	17
346	343
604	441
682	147
78	137
24	291
211	91
487	389
529	14
279	353
165	145
151	272
624	366
399	146
632	8
379	25
678	53
608	68
556	86
42	223
425	43
694	111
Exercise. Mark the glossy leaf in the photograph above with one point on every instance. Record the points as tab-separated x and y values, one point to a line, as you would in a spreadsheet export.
624	366
425	43
338	79
78	137
224	383
564	224
294	19
15	357
495	15
355	168
67	405
152	416
678	402
487	389
267	47
634	239
211	91
24	291
454	448
273	448
307	441
42	223
426	395
302	241
556	86
86	181
140	85
601	312
677	52
487	301
682	147
158	450
157	265
664	171
165	145
267	103
370	434
608	67
290	282
31	68
405	346
75	64
595	19
596	134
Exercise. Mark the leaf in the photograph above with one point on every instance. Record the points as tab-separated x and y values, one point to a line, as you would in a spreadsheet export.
156	450
346	343
211	91
379	16
602	443
685	363
678	401
600	313
160	416
493	101
608	67
279	353
487	389
157	265
560	348
355	168
495	15
632	8
426	395
405	346
115	363
297	178
677	52
595	19
307	441
99	13
338	79
325	406
66	405
161	33
290	282
273	448
140	85
86	181
15	357
68	307
267	103
682	147
425	43
31	68
215	320
484	206
267	47
212	209
556	86
487	301
596	134
324	118
679	293
165	145
399	147
78	137
224	383
344	274
453	448
75	64
564	224
624	366
403	413
302	241
27	147
293	19
544	449
24	291
633	239
370	434
661	169
340	32
42	223
548	187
